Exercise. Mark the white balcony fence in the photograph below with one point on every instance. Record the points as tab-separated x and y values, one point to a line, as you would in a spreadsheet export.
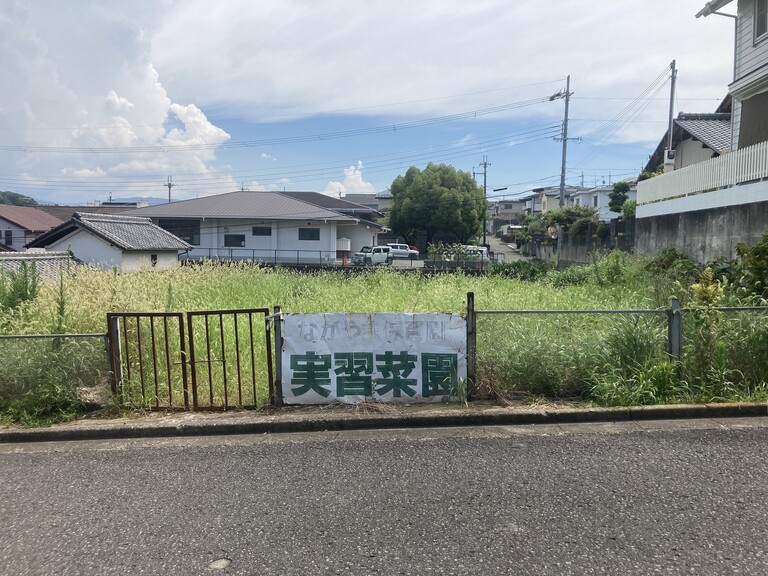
740	167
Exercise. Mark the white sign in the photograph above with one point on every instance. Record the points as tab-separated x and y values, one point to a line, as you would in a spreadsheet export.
384	357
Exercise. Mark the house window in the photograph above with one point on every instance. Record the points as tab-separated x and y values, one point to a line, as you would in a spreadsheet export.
234	240
153	259
594	201
761	19
8	240
309	233
187	230
262	231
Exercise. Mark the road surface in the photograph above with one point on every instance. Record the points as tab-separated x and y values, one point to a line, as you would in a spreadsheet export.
686	497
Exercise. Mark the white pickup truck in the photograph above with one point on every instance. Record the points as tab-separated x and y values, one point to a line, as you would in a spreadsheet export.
375	255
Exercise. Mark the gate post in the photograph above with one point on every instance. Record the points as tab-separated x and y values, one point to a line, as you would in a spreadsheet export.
115	358
278	357
471	344
675	330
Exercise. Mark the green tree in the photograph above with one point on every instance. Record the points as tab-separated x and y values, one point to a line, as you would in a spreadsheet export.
437	199
576	220
629	209
618	196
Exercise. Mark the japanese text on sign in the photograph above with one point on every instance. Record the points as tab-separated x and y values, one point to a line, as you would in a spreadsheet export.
387	357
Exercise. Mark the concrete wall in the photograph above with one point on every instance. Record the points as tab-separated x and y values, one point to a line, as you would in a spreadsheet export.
133	261
703	234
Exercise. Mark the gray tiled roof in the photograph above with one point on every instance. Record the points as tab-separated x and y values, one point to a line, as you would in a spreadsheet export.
714	130
48	265
245	205
125	232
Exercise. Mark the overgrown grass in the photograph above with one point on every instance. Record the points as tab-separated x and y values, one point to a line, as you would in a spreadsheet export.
606	359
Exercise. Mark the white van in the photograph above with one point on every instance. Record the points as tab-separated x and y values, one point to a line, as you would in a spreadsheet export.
479	253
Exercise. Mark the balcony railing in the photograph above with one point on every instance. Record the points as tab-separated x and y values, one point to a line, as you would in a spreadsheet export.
740	167
323	257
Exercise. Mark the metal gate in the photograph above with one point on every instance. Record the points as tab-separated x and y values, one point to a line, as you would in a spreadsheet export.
216	359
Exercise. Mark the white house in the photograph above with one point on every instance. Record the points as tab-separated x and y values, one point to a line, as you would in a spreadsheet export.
280	227
20	225
550	196
599	198
706	209
106	240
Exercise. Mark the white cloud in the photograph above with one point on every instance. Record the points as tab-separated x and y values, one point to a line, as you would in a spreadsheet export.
150	74
90	85
296	58
353	183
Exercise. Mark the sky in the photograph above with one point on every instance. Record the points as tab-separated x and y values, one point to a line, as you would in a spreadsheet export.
109	99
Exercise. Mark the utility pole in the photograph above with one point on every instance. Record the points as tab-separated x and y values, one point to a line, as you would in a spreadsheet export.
485	165
567	97
670	155
169	185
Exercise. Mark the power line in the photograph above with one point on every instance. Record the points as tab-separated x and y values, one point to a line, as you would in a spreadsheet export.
273	141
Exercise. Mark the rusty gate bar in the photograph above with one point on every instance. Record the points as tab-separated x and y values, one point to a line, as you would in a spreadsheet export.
223	361
154	361
135	349
208	357
220	349
237	355
167	358
192	362
253	363
141	357
126	348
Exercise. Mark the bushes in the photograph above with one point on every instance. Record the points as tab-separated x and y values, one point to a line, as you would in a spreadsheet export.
525	270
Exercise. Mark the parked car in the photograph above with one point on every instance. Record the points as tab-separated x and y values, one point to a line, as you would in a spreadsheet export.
403	251
375	255
477	253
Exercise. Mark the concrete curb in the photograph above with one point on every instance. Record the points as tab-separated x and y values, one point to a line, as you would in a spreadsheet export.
257	424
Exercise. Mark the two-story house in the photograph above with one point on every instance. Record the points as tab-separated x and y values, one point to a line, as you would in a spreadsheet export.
599	198
707	208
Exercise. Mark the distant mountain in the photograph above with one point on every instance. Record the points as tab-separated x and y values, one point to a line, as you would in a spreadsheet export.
15	199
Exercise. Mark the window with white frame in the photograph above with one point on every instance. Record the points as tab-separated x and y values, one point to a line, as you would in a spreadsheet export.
761	19
594	201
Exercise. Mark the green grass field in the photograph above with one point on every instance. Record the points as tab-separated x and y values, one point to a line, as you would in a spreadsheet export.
604	359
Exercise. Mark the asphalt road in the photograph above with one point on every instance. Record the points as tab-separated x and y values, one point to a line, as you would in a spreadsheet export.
685	497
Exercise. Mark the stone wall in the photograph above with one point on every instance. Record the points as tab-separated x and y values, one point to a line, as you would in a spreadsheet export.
703	235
